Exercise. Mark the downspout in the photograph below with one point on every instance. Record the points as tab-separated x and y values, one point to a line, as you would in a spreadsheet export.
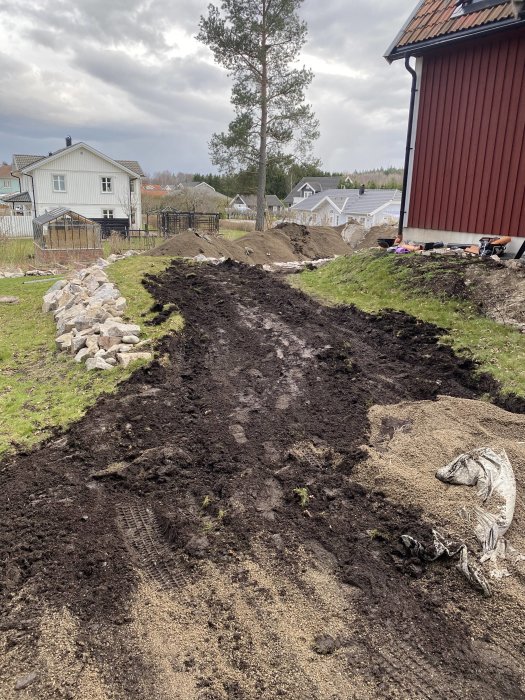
33	188
409	144
19	189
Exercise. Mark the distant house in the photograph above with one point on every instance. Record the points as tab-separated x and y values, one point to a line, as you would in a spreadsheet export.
334	207
81	178
466	164
8	183
203	186
248	203
309	186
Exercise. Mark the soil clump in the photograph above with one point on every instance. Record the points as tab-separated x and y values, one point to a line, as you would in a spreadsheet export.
202	534
285	243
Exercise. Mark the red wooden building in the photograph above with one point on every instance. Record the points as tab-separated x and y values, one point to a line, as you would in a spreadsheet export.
465	174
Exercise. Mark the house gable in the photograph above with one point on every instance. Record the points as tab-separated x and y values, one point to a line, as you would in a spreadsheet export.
64	157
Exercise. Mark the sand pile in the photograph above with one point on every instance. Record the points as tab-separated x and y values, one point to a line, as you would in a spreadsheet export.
369	238
410	441
287	243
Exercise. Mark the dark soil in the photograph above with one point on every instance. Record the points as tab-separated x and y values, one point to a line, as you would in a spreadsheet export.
262	400
444	277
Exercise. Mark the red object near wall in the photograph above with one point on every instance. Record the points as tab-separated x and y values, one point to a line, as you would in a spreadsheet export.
469	160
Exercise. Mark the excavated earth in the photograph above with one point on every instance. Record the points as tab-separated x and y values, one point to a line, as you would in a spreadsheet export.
201	533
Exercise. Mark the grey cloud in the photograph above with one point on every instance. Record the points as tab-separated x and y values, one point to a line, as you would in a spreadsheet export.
173	105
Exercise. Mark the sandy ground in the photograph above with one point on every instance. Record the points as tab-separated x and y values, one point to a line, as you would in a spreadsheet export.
227	525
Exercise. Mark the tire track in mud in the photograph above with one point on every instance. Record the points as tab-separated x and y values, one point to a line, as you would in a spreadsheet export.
143	535
265	392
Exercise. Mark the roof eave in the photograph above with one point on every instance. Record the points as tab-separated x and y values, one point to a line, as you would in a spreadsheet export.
418	49
400	33
27	170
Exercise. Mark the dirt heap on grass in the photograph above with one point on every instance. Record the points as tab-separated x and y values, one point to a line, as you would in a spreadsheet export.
201	534
286	243
497	290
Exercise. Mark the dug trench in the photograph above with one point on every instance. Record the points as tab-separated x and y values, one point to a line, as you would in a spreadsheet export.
200	534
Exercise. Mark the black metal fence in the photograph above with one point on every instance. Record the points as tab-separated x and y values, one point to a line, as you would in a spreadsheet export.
173	222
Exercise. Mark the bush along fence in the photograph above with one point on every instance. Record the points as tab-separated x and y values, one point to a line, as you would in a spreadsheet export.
87	309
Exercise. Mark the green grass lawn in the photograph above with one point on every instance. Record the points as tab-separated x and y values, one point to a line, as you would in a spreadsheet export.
40	388
374	282
16	252
19	252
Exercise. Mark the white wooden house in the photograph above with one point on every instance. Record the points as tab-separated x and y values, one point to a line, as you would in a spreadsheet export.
82	179
335	207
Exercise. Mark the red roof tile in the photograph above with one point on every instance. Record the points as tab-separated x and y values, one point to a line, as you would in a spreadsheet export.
433	19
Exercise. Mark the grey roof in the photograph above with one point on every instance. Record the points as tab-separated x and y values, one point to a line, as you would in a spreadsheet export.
272	200
17	197
56	214
196	184
350	202
132	165
23	161
251	200
318	184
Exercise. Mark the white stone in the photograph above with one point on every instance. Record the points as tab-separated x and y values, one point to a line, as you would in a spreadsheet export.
63	341
83	354
50	302
97	363
106	291
111	327
92	341
130	339
120	304
126	358
77	342
111	361
58	286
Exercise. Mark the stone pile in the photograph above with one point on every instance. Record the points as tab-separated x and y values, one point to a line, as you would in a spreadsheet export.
87	309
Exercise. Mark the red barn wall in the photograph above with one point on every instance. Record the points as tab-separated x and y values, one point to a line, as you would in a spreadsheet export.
469	160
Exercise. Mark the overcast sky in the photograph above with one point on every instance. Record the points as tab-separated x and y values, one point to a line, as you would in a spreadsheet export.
128	77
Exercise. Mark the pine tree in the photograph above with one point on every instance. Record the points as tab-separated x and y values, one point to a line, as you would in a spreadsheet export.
258	42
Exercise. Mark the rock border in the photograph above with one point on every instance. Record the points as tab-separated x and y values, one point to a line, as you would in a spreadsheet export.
87	310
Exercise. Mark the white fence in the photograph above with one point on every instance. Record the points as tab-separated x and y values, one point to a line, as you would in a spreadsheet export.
16	226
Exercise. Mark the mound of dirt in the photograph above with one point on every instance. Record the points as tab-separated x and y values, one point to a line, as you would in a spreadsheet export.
360	238
408	443
497	290
201	533
286	243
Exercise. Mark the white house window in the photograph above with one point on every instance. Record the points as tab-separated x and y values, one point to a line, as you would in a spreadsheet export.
107	185
132	185
7	183
306	193
107	213
59	183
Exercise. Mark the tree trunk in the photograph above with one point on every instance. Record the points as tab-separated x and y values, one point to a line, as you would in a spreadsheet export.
261	179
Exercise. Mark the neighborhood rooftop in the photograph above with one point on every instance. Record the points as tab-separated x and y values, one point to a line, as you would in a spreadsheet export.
24	161
316	183
434	21
350	201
